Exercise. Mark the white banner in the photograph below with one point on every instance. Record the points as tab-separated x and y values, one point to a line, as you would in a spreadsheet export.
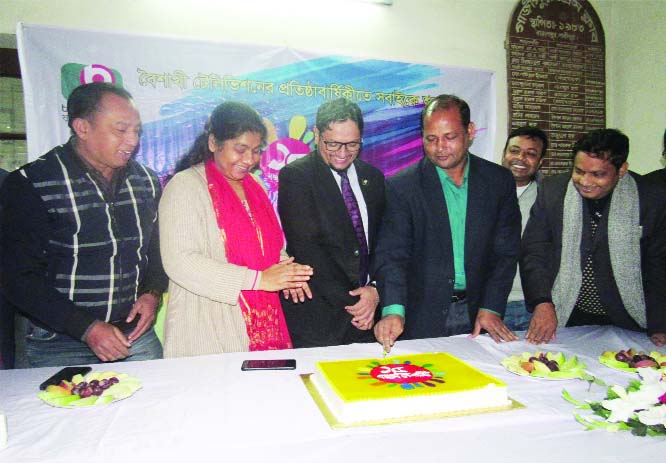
177	82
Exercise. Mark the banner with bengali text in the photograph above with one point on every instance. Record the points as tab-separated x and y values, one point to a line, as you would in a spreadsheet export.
177	82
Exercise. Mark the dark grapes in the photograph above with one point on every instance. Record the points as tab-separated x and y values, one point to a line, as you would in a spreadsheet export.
86	392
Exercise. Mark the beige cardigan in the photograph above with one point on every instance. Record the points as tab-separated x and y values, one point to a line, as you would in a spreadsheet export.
203	315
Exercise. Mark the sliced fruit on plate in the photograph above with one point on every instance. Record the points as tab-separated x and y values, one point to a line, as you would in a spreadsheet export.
547	365
119	391
95	388
631	359
58	391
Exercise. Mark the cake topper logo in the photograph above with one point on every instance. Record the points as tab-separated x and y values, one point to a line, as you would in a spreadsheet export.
404	374
73	74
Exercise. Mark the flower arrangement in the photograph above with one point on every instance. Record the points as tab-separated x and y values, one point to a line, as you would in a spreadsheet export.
640	408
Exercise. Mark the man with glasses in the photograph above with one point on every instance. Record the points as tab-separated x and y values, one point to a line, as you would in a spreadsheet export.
330	204
449	242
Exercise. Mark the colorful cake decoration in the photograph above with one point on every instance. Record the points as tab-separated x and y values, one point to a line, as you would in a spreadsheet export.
404	374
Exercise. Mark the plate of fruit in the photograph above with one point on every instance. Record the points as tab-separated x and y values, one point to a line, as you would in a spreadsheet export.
546	365
95	388
631	359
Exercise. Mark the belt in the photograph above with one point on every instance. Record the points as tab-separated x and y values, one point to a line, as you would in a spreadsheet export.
458	296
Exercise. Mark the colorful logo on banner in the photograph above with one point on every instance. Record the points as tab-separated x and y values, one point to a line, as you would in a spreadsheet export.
282	151
73	74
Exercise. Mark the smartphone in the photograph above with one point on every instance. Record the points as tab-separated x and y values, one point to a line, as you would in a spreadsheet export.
66	373
276	364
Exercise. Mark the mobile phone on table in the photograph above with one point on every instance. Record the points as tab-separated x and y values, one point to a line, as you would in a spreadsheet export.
274	364
66	373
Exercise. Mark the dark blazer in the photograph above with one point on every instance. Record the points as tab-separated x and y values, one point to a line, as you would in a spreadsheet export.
658	175
541	252
6	316
414	254
320	233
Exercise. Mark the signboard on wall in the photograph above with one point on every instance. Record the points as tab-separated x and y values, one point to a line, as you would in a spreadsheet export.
177	83
556	72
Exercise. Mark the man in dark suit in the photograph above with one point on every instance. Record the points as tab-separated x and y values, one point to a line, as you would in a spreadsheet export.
449	242
330	203
6	319
659	175
588	235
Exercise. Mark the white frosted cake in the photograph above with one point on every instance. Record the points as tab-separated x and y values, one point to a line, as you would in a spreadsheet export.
407	386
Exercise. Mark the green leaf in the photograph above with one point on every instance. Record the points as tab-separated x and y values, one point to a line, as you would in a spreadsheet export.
598	381
656	430
639	430
599	410
610	394
584	421
634	385
577	403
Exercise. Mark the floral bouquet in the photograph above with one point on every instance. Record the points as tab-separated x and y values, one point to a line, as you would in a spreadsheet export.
640	408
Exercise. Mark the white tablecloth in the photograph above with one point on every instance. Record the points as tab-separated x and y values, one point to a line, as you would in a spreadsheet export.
205	409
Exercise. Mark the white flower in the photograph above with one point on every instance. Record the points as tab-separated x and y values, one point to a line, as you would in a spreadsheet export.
647	405
651	375
653	415
621	409
627	404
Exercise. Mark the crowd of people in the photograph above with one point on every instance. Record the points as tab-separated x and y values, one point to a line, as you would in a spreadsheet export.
454	244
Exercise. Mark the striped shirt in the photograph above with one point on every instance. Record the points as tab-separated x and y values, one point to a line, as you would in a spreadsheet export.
65	234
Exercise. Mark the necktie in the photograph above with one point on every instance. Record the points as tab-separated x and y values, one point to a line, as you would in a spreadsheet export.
355	214
588	298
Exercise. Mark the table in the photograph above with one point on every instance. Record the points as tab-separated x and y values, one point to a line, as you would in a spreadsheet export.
205	409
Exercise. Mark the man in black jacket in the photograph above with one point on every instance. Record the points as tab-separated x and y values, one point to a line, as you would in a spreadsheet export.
330	204
6	317
659	175
449	242
594	248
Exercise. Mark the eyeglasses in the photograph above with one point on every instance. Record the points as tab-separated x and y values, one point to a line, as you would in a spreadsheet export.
350	146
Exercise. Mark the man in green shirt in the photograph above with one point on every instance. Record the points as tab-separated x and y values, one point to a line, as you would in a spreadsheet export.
448	247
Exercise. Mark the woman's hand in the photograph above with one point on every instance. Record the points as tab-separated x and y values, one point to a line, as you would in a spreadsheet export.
298	294
285	275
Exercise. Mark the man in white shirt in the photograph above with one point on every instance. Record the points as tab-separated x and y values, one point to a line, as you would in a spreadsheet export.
524	151
330	204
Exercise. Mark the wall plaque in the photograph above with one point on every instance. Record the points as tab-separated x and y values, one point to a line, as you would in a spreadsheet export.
556	73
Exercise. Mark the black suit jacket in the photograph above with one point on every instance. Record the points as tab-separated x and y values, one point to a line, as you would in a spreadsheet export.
542	251
414	254
6	317
658	176
320	233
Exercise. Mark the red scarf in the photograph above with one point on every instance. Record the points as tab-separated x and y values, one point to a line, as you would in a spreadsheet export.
256	246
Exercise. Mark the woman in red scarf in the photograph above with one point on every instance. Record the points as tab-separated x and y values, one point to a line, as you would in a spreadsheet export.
222	245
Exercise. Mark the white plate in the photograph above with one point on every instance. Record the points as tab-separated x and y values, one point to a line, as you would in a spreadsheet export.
125	379
520	372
